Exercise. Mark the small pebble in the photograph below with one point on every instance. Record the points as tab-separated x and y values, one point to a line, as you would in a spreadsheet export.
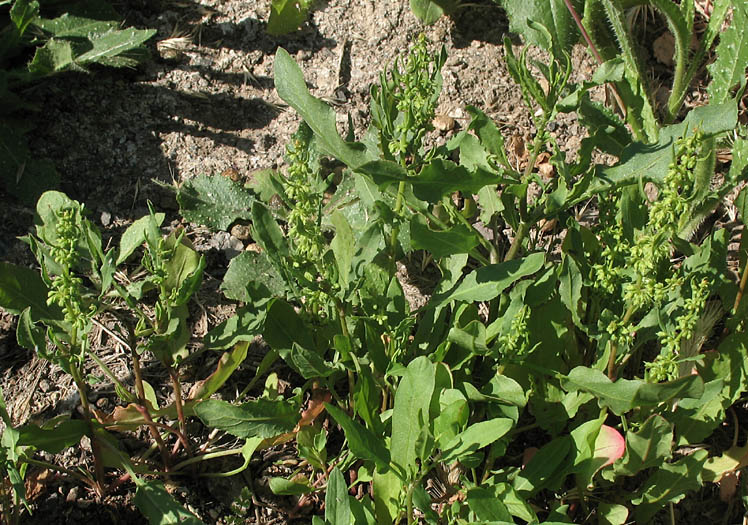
443	123
106	218
241	231
72	495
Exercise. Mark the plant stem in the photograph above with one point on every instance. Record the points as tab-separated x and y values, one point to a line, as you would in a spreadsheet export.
741	287
631	59
204	457
679	29
614	345
396	228
598	57
63	470
178	404
98	463
140	390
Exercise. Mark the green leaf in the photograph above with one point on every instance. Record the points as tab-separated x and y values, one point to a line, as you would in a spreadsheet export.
307	363
267	233
287	15
111	48
343	247
490	281
29	335
728	70
649	162
22	288
159	507
441	243
726	374
53	440
284	327
625	394
288	487
570	288
548	467
388	490
262	418
612	514
487	506
669	484
290	85
427	11
337	505
228	363
361	441
649	447
67	26
411	411
246	324
134	235
475	437
437	179
250	269
552	14
214	201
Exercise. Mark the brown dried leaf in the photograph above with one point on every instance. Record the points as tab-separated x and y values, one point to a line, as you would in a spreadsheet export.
663	48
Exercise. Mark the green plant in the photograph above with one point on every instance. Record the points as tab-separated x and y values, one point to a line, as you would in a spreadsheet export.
87	33
517	332
544	373
287	16
59	305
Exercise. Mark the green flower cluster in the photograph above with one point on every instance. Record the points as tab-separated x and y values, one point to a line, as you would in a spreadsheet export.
304	220
633	269
515	342
66	289
666	365
414	92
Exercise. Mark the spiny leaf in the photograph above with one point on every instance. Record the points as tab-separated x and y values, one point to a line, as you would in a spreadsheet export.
728	70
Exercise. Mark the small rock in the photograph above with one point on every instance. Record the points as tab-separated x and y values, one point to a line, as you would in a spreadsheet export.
106	218
72	495
227	243
443	123
44	386
241	232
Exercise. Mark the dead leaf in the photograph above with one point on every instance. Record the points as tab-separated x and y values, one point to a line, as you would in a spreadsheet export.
37	482
315	408
663	48
728	486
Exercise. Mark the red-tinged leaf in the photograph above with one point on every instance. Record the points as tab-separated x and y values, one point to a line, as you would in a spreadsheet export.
609	445
315	408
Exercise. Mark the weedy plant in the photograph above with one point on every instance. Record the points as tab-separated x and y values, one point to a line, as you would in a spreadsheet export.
542	376
596	341
84	34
